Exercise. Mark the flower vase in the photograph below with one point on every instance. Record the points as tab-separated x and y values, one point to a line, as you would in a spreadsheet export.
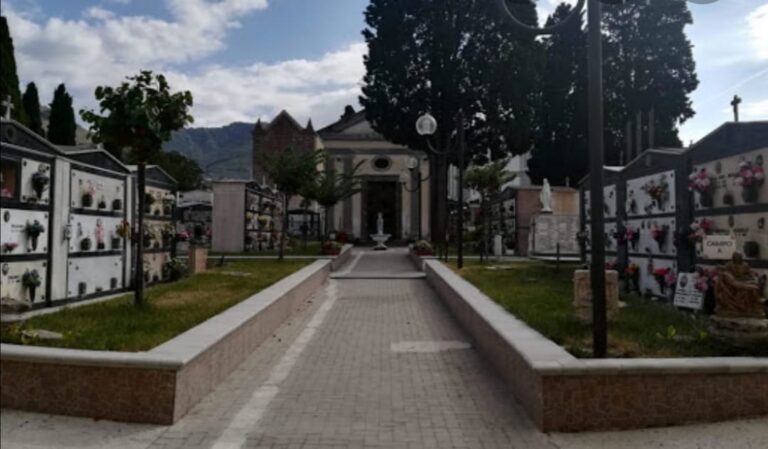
33	241
116	243
32	293
706	199
751	250
709	301
87	200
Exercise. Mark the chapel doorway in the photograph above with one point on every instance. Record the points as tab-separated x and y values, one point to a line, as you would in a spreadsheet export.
381	196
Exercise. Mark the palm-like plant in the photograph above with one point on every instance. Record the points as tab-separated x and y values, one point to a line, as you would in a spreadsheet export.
487	180
292	170
331	187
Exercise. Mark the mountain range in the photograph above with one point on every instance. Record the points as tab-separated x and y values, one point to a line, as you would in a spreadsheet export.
223	152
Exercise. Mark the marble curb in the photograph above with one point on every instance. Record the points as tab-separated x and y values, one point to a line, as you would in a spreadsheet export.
180	350
549	359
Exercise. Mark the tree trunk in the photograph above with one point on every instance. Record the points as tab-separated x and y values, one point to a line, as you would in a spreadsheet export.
284	231
138	278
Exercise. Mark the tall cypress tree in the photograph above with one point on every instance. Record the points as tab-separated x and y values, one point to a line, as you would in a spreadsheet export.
561	151
648	65
442	56
9	79
32	107
61	127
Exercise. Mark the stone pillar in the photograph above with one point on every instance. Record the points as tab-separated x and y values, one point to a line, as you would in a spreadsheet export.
582	294
198	259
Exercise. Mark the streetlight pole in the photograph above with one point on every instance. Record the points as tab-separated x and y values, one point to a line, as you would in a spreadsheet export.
597	228
415	164
426	126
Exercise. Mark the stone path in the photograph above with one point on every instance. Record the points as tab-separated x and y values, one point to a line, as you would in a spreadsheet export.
366	363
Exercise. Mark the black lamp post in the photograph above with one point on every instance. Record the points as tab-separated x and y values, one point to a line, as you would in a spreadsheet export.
414	163
426	126
597	228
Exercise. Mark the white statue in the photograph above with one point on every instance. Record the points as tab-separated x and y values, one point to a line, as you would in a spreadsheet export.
546	197
380	224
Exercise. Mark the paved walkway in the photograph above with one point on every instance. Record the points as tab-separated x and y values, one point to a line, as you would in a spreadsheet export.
365	363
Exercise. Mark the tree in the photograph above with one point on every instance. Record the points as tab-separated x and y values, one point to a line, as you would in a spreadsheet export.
445	56
61	124
291	170
330	187
9	79
561	151
184	170
487	180
32	107
648	65
138	115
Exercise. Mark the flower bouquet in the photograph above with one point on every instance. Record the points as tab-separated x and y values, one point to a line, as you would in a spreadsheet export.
699	229
8	247
750	177
33	231
665	277
632	235
658	192
659	233
31	280
422	248
39	183
702	182
632	273
331	248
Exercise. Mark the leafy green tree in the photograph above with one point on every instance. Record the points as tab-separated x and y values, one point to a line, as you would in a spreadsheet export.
331	187
291	170
442	56
9	79
487	180
138	115
561	151
32	107
648	64
185	171
61	124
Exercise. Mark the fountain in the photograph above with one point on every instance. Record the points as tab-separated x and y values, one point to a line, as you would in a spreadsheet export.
380	238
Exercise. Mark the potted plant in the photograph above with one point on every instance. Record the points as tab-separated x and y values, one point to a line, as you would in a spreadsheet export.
40	182
422	248
751	249
8	247
117	204
87	198
123	230
331	248
632	273
175	269
701	182
85	244
31	280
102	204
33	231
750	177
659	233
665	277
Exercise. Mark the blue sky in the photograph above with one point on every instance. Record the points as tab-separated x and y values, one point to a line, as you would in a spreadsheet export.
247	59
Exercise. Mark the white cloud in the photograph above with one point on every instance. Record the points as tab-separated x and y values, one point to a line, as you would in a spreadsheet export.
757	24
102	48
757	110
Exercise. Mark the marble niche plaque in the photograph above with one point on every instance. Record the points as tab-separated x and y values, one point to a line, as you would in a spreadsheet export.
549	230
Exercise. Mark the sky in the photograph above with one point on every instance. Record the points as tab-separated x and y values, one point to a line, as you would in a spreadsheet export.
245	60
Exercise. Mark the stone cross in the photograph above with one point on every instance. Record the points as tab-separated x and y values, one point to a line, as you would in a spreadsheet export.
735	103
8	105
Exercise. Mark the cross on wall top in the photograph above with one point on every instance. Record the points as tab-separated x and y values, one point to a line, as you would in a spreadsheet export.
735	103
8	105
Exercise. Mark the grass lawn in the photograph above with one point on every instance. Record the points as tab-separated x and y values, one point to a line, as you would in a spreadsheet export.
542	296
169	310
298	249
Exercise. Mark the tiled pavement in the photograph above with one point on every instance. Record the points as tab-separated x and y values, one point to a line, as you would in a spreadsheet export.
374	363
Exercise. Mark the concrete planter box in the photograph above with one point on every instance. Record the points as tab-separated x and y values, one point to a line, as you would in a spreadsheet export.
158	386
562	393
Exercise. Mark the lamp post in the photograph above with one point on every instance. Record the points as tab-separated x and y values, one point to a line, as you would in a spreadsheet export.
597	228
426	126
414	164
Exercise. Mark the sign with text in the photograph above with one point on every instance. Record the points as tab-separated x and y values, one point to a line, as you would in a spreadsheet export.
686	293
718	247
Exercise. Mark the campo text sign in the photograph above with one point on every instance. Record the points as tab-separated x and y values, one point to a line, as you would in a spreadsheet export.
718	247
